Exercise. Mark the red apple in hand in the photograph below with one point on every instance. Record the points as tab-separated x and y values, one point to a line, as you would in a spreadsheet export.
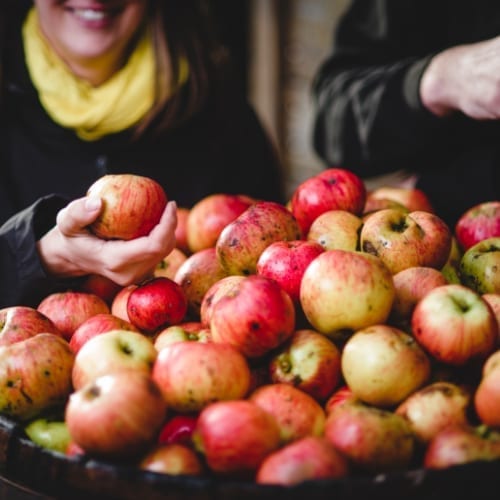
308	458
332	189
116	416
286	261
255	316
478	223
155	304
132	206
404	240
455	325
210	215
235	437
68	310
22	322
309	361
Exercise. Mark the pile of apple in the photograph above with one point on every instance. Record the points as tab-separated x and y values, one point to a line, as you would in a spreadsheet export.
349	332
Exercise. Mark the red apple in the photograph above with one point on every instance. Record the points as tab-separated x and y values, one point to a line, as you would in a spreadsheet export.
119	304
174	459
342	291
178	429
169	265
191	331
309	361
306	459
383	365
210	215
101	286
411	198
286	261
336	229
480	266
95	325
434	407
155	304
478	223
487	394
196	275
332	189
132	206
297	413
411	285
462	445
372	439
22	322
455	325
242	241
116	416
35	375
404	240
255	316
235	437
112	351
340	396
68	310
191	375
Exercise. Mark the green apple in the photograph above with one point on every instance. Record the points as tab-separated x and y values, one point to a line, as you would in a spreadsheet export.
480	266
49	433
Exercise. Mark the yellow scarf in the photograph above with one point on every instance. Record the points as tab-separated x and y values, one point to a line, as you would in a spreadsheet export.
92	112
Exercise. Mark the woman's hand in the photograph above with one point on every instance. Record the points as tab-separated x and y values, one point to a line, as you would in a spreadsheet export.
69	249
465	78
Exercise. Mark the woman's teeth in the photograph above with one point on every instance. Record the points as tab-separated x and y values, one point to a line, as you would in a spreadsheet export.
90	15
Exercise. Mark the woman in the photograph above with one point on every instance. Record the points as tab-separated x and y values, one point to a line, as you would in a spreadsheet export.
95	87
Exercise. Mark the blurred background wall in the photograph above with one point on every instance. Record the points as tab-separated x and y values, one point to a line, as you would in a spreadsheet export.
277	46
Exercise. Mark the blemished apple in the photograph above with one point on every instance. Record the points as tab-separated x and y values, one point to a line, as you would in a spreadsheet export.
434	407
383	365
174	459
480	222
69	309
297	413
309	361
190	331
95	325
132	206
112	351
404	240
462	445
168	266
210	215
411	198
331	189
155	304
49	433
411	285
343	291
487	393
22	322
119	304
241	242
480	266
234	437
35	375
309	458
286	261
116	416
101	286
256	315
336	229
455	325
191	375
196	275
377	440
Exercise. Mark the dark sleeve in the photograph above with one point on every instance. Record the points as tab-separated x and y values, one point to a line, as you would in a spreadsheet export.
24	281
368	114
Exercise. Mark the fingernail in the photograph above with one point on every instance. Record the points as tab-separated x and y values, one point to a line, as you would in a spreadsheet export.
92	203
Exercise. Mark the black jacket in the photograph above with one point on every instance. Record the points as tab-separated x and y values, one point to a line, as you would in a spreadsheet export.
222	149
369	116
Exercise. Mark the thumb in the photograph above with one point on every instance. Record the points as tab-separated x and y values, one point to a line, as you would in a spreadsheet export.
78	214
